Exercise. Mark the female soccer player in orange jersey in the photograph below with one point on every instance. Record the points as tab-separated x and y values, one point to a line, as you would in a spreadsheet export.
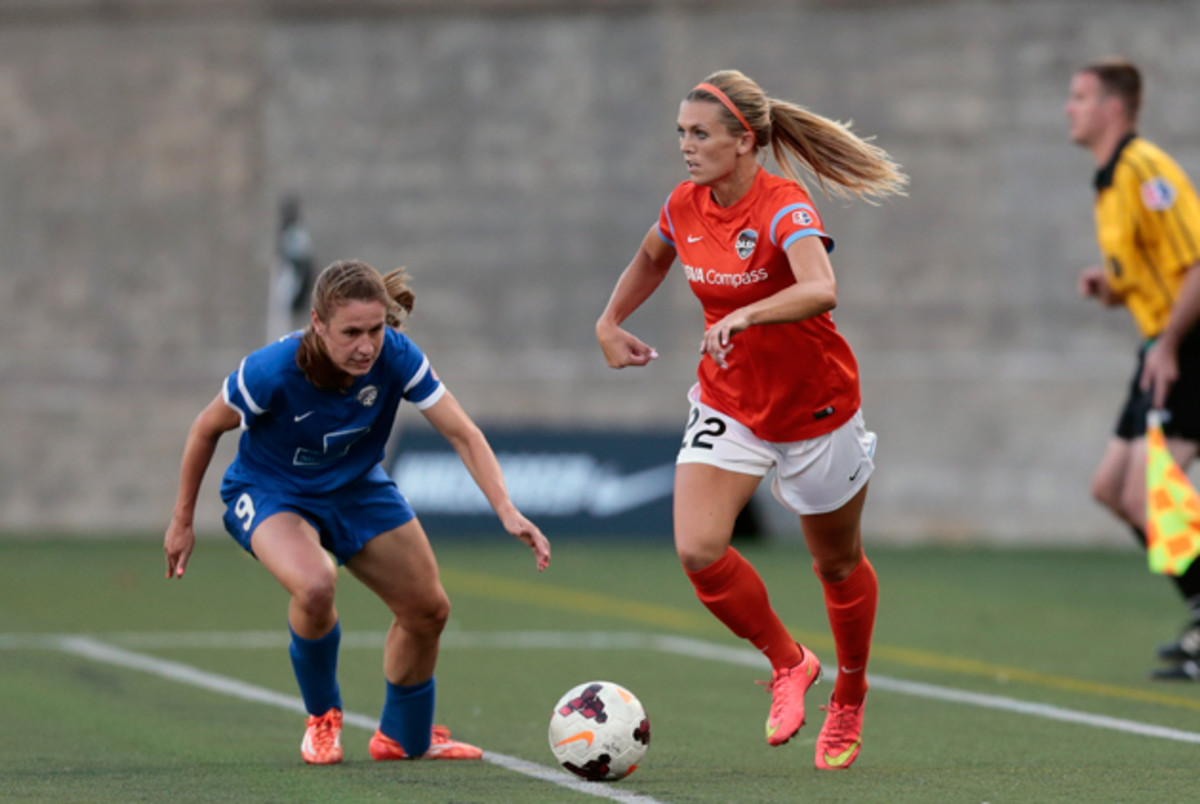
778	385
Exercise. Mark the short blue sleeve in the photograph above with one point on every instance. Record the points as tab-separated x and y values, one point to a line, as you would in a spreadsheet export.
250	390
421	385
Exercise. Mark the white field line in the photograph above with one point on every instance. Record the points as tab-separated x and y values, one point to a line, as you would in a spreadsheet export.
176	671
705	650
676	645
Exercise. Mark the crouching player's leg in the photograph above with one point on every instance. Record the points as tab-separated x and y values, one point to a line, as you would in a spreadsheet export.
399	566
289	547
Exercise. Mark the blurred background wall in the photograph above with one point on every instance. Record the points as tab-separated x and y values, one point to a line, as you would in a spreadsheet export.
512	154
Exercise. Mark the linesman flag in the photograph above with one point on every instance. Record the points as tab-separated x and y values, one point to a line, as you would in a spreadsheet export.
1172	506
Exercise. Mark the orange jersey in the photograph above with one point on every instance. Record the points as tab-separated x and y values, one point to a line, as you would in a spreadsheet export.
786	382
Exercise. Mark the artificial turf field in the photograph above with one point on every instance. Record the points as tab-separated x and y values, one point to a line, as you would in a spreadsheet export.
997	676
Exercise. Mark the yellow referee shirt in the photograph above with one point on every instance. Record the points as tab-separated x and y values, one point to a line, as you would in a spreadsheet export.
1148	226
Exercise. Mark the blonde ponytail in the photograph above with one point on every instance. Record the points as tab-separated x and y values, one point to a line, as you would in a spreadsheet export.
841	161
838	159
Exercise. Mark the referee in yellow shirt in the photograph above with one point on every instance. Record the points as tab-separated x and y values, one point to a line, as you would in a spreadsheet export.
1148	227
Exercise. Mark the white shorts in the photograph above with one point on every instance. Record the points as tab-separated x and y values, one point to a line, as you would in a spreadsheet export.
814	476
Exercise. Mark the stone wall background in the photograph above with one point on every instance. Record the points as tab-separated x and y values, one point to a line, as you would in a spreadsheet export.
511	154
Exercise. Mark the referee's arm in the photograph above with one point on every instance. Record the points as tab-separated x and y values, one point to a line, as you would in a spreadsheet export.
1161	368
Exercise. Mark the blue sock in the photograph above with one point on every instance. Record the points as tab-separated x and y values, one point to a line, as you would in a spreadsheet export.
408	715
315	663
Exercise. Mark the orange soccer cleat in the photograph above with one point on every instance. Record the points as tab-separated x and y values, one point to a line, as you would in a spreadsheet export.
841	736
322	743
787	688
442	747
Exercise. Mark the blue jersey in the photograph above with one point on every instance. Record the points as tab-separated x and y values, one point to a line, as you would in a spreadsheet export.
301	439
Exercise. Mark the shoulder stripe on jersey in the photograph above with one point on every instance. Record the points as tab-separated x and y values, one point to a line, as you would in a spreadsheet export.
670	222
245	392
229	402
420	375
432	399
784	211
794	236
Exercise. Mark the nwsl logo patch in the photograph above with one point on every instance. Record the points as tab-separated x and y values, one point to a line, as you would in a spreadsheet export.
747	239
1158	194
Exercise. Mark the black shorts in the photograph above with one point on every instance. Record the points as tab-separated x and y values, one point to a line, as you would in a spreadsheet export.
1183	403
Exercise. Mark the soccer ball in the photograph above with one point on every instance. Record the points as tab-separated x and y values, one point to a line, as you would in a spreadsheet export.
599	730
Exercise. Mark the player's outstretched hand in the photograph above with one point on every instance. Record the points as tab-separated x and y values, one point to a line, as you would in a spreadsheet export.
516	524
623	349
178	545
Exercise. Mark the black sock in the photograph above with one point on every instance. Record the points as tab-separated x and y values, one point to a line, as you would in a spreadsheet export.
1139	534
1189	587
1188	583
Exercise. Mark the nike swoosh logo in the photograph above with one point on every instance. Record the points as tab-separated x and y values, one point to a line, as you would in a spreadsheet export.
574	738
856	471
304	416
842	758
694	239
849	670
614	494
603	491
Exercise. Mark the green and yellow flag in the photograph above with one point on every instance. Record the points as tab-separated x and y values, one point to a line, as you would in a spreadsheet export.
1172	507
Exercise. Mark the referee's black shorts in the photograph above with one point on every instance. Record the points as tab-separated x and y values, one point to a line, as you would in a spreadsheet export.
1183	403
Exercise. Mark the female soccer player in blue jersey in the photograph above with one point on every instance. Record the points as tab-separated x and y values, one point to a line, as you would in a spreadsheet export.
315	410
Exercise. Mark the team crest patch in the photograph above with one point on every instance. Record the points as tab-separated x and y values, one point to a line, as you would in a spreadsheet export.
1158	194
368	395
801	218
747	239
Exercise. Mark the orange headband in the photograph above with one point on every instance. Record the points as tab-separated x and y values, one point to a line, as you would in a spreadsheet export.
728	104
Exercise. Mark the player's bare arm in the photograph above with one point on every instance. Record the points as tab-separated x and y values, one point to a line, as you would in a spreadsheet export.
216	419
815	292
1161	369
448	418
638	281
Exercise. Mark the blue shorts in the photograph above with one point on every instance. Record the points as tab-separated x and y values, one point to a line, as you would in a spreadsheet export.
346	519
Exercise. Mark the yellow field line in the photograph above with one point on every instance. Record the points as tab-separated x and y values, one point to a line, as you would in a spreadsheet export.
493	587
562	598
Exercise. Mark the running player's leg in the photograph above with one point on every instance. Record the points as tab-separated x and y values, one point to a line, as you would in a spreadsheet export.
1133	508
1183	434
851	599
707	503
851	591
1184	652
288	546
1133	478
1109	481
399	566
